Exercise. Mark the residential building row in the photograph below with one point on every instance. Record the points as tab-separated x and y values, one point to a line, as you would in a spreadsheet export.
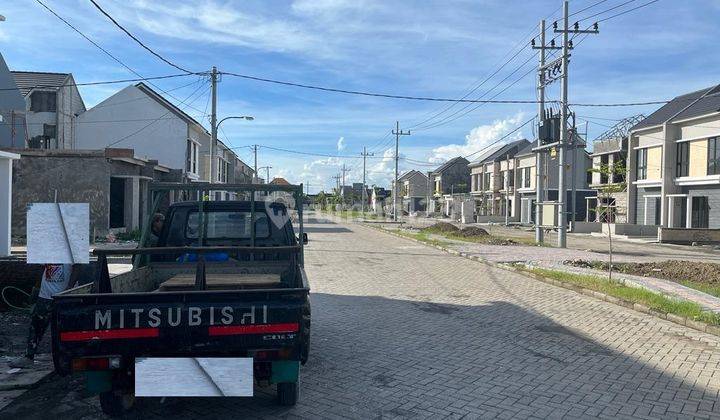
131	138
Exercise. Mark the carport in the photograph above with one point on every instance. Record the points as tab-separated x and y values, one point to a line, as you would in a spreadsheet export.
5	200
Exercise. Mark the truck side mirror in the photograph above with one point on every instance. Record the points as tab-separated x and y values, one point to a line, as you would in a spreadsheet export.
304	238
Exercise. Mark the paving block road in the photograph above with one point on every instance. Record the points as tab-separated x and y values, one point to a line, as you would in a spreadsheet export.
401	330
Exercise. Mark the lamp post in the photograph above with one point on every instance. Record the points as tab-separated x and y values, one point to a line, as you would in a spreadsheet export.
216	128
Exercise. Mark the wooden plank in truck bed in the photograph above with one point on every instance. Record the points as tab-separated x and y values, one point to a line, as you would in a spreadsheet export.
221	281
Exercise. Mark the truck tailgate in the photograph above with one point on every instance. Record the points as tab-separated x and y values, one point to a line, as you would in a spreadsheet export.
186	323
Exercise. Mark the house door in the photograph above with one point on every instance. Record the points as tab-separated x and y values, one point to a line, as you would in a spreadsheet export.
658	211
117	202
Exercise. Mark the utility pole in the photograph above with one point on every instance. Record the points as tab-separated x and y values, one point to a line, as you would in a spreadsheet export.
539	156
255	176
564	111
267	173
507	190
396	192
213	121
342	187
337	183
364	154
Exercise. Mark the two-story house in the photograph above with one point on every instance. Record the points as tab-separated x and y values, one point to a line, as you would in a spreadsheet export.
450	178
609	175
674	164
137	117
494	180
505	181
52	106
413	190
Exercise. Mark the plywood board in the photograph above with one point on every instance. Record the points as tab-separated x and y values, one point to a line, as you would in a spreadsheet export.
58	233
220	281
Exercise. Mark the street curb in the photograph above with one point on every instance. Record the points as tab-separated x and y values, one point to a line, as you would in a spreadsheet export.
676	319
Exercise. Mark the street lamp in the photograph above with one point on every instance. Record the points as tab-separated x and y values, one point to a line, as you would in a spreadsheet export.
244	117
214	139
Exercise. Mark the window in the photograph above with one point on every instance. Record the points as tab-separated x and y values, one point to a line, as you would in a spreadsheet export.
502	180
511	178
682	164
641	164
700	213
43	101
193	156
486	181
228	225
50	131
526	177
714	156
222	169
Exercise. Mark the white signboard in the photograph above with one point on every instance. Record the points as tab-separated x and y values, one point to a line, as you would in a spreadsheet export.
194	377
58	233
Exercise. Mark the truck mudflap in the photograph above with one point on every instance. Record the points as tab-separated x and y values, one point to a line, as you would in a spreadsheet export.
210	323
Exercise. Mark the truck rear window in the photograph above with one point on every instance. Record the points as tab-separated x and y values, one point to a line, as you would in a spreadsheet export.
228	225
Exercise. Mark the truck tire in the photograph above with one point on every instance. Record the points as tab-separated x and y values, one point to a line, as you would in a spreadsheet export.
116	404
288	393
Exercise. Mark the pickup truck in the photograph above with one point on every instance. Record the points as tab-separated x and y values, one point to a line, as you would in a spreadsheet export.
222	279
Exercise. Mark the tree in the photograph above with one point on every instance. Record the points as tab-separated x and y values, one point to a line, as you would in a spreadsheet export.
605	196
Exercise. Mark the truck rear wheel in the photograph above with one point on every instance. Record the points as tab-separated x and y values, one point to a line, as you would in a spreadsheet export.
114	403
288	393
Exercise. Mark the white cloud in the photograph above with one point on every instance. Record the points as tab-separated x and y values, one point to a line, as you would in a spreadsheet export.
341	144
480	138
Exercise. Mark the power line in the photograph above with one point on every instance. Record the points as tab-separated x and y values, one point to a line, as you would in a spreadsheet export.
588	7
373	94
502	138
134	38
105	82
628	11
108	53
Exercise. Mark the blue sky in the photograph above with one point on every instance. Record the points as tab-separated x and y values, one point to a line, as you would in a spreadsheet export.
424	48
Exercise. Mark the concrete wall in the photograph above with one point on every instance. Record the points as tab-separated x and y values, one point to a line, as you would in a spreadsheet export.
685	236
35	179
586	227
626	229
131	113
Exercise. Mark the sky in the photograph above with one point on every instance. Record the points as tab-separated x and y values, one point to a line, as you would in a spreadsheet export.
443	48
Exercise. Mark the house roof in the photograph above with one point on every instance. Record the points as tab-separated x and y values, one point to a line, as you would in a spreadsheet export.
408	174
170	106
501	152
279	181
28	80
449	163
693	104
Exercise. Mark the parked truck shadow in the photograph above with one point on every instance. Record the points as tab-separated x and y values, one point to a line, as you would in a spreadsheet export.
374	357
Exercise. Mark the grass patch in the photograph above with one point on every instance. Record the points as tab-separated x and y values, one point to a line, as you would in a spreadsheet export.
702	276
421	236
650	299
705	288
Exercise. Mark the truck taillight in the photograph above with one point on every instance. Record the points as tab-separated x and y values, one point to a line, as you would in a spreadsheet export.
95	363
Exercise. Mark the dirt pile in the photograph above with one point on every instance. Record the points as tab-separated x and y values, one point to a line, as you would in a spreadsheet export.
472	231
674	270
442	227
